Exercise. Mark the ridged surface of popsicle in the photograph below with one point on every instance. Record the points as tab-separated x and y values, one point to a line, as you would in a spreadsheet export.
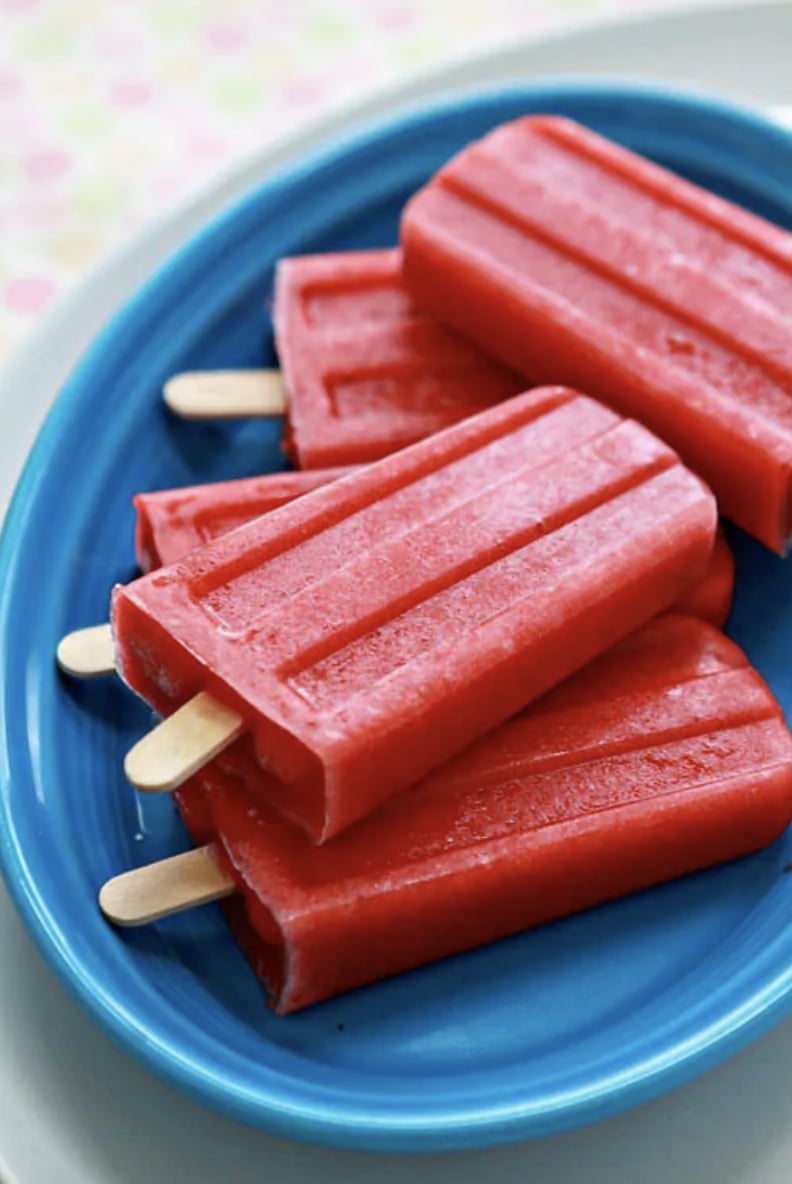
666	755
370	630
573	260
366	372
173	522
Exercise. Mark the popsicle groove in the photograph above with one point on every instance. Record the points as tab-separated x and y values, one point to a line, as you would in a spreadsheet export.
189	523
651	263
702	208
401	350
575	487
600	310
431	399
333	349
590	178
425	631
439	544
436	393
171	523
542	803
332	305
659	276
319	541
633	775
720	702
696	762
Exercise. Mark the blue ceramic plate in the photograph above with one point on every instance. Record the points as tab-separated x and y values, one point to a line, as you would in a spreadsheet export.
542	1032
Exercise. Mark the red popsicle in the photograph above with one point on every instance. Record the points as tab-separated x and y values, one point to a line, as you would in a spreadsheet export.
576	261
664	756
711	598
172	522
368	631
366	372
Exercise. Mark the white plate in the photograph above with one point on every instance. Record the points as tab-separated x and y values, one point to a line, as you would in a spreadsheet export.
72	1108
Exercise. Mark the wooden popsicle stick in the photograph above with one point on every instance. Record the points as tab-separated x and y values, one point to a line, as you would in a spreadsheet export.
165	888
226	394
87	653
182	744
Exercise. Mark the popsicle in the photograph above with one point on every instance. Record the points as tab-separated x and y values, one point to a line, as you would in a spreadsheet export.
568	257
172	522
664	756
363	634
711	597
169	524
365	372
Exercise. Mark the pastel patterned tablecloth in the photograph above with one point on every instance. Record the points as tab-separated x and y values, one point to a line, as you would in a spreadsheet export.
113	110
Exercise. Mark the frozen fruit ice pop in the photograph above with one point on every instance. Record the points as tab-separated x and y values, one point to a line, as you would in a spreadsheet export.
367	631
172	522
666	755
711	597
569	257
364	371
367	373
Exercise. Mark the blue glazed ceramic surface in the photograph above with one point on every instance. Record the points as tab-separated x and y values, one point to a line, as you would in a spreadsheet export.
533	1035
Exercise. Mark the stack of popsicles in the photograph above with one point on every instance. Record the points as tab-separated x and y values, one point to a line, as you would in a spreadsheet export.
462	674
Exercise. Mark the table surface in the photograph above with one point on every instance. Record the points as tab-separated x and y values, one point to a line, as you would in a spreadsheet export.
73	1108
118	111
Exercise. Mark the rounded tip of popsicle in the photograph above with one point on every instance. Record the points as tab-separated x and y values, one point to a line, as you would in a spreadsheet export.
87	653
